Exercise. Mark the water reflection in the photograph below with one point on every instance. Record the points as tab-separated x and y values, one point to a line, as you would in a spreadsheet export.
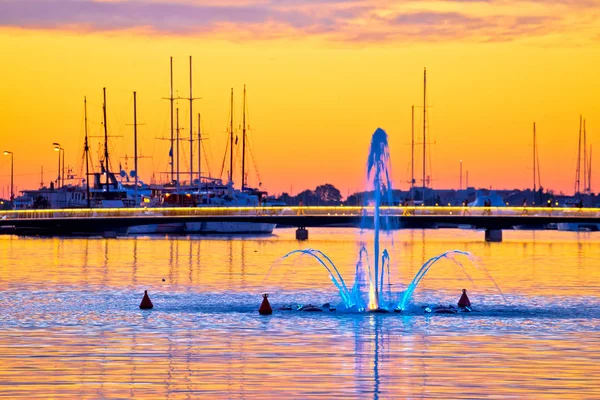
70	326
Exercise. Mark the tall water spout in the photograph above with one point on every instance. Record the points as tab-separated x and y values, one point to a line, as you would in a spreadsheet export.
378	174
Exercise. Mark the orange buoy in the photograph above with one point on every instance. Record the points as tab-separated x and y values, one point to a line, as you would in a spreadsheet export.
146	304
464	300
265	307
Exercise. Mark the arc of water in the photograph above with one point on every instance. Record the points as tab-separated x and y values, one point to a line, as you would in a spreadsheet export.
423	271
341	286
332	265
473	259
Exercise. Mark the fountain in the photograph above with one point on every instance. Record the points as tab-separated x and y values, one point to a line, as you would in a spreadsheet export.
376	298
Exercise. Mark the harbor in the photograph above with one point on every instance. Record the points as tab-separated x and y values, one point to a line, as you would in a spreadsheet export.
299	199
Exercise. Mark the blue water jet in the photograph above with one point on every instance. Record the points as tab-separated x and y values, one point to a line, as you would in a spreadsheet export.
376	298
423	271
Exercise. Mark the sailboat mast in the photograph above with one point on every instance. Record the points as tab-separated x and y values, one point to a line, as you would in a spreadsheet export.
177	146
584	159
106	143
191	129
539	176
412	153
244	142
578	170
424	125
87	151
534	152
231	141
589	186
135	147
199	155
172	136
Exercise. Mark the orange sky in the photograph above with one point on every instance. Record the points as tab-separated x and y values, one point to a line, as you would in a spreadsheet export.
321	77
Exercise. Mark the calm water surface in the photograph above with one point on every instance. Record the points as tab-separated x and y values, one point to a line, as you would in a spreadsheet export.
70	324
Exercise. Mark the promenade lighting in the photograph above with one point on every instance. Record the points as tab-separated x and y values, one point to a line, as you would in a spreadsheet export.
12	175
60	174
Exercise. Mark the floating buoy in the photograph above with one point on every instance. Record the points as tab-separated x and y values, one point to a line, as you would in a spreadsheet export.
379	311
445	311
146	304
464	300
265	307
311	308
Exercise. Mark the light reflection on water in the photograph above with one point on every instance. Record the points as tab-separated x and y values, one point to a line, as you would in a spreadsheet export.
70	326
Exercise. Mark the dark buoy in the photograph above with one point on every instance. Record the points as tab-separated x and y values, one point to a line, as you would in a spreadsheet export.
146	304
265	307
163	279
445	311
311	308
379	311
464	300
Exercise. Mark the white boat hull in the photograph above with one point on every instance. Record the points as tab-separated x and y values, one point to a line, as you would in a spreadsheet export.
229	227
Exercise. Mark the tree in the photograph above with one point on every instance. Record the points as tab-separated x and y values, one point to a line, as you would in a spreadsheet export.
307	198
328	194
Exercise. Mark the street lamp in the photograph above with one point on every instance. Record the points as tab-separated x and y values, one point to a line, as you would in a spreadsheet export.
60	149
460	184
12	175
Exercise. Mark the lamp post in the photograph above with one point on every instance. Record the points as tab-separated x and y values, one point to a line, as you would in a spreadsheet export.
61	173
12	175
460	182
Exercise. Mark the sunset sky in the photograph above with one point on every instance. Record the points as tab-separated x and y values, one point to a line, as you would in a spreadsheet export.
321	77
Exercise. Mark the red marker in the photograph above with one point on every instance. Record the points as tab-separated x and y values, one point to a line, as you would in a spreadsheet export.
464	300
146	304
265	307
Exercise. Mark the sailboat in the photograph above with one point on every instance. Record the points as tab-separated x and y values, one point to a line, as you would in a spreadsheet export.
577	200
105	192
227	196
